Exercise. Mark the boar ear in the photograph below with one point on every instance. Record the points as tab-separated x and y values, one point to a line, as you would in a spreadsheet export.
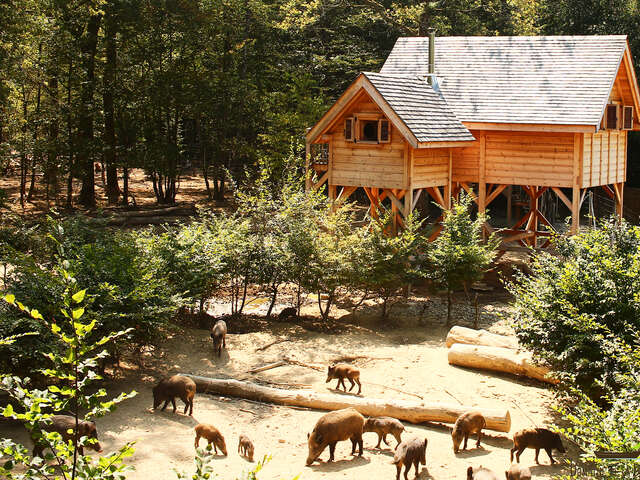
307	436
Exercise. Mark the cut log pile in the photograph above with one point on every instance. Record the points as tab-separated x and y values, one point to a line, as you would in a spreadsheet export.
487	351
410	411
157	216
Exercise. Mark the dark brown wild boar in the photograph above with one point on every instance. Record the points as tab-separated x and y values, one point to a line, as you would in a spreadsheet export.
286	313
480	473
245	447
218	335
176	386
408	453
384	426
62	424
516	472
332	428
342	371
212	435
466	424
538	438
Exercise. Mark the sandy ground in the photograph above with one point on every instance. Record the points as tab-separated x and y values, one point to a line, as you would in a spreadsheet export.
418	366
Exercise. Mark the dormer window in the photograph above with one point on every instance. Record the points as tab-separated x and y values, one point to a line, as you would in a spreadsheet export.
367	129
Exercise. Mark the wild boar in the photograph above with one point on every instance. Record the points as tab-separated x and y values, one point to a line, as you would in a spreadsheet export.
218	335
286	313
212	435
516	472
384	426
538	438
408	453
176	386
245	447
62	424
342	371
466	424
332	428
480	473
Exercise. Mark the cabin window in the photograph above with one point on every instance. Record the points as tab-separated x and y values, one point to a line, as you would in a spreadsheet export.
348	129
383	131
611	117
627	118
368	130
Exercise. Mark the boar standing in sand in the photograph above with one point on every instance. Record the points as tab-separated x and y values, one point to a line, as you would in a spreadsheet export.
480	473
516	472
408	453
212	435
384	426
332	428
342	371
245	447
466	424
538	438
62	424
177	386
218	335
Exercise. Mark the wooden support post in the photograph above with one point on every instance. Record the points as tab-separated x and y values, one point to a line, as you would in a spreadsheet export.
307	166
577	183
447	191
619	191
408	203
482	185
332	196
533	220
509	200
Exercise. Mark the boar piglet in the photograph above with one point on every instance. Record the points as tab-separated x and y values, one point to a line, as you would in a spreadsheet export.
218	335
342	371
480	473
245	447
538	438
332	428
408	453
466	424
62	424
177	386
516	472
212	435
384	426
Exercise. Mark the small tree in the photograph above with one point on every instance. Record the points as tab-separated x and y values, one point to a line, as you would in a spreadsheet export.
459	255
72	375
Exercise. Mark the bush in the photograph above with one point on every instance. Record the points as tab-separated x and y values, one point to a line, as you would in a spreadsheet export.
579	307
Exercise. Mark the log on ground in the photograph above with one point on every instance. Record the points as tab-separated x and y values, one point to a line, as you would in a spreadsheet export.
480	337
498	359
410	411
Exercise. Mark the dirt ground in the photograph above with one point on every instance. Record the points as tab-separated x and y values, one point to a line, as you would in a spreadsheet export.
411	357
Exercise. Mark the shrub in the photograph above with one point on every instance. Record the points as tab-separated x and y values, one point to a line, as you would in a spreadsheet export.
577	308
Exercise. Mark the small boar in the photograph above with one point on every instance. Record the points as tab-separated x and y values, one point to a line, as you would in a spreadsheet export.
212	435
342	371
480	473
384	426
466	424
176	386
286	313
62	424
516	472
408	453
332	428
245	447
538	438
218	335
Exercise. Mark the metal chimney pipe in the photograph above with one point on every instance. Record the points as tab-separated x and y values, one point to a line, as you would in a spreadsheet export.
432	54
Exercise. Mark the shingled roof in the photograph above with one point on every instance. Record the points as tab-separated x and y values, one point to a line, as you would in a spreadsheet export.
536	80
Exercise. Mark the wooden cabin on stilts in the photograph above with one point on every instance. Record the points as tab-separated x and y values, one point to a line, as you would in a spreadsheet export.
486	115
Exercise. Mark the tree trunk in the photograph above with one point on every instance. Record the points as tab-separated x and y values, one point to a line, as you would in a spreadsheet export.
89	45
112	187
410	411
51	170
480	337
449	302
497	359
274	297
70	139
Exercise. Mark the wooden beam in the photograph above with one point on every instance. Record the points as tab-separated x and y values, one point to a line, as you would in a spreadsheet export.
321	182
437	196
463	143
416	197
562	197
408	203
529	127
620	200
449	181
609	192
577	183
482	185
496	191
633	81
470	191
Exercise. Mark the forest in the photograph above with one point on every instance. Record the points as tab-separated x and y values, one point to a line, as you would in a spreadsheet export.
97	318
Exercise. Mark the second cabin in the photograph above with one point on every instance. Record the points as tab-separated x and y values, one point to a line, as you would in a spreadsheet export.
486	114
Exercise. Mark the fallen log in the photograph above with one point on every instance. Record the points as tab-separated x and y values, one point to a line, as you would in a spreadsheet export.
267	367
413	412
498	359
480	337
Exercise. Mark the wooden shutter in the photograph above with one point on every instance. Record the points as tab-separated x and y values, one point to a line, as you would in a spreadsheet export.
611	117
348	129
384	131
627	118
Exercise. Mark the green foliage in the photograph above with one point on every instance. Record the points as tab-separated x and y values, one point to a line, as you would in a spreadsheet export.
71	375
205	471
579	309
459	255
